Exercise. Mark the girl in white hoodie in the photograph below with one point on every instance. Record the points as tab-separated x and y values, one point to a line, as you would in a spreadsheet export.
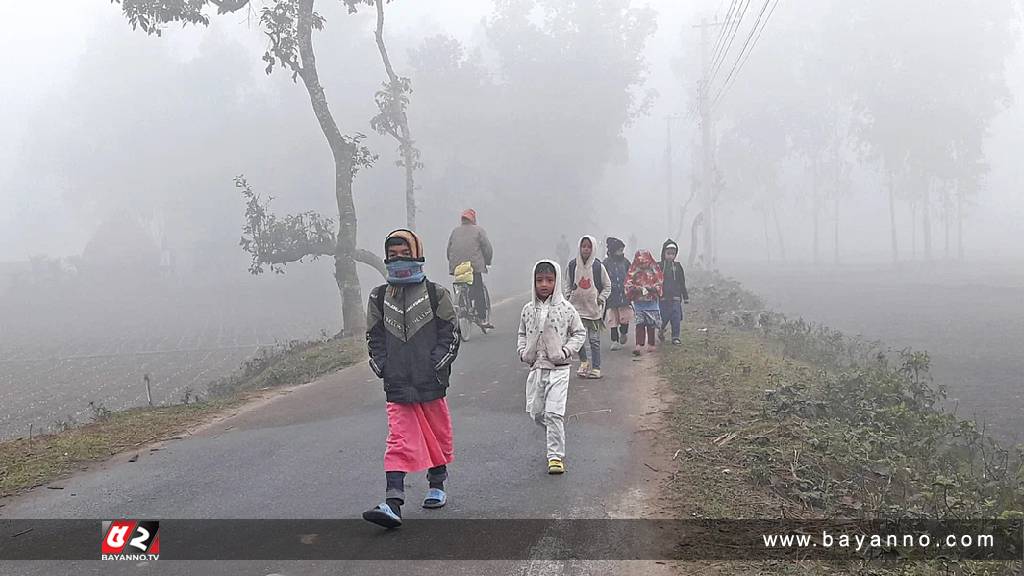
550	331
587	287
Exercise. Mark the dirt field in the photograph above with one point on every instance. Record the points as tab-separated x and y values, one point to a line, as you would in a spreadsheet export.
62	347
970	319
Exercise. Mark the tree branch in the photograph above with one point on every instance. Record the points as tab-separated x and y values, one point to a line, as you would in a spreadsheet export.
380	42
226	6
370	259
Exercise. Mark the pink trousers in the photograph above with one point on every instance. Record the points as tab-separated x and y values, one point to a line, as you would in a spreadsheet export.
419	436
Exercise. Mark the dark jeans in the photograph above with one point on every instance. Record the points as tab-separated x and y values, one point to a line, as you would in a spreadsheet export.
478	296
594	343
672	313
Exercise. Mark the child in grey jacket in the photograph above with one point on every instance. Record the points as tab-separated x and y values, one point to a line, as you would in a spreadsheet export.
550	331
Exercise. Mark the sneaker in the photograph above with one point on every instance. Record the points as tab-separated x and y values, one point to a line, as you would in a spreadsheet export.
556	466
616	346
594	374
583	370
637	351
677	341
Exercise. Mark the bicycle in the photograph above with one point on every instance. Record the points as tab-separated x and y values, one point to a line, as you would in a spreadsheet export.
465	309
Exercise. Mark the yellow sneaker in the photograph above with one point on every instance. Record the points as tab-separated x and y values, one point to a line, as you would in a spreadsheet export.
583	370
556	466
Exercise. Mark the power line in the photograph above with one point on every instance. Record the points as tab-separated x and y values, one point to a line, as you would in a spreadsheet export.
752	39
720	41
728	84
716	67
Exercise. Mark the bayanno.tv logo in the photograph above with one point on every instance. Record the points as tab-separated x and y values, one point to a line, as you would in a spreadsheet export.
130	540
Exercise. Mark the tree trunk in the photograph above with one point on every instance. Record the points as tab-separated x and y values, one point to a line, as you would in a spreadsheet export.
960	223
835	241
767	238
694	238
404	136
815	210
345	274
892	217
778	232
913	229
946	219
926	221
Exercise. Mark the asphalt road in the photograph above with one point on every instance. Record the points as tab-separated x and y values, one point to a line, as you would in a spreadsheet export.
317	452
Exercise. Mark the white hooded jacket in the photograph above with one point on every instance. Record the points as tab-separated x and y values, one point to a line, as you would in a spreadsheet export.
583	293
549	332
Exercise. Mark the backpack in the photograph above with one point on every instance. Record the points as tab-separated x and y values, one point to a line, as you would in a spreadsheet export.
596	271
431	294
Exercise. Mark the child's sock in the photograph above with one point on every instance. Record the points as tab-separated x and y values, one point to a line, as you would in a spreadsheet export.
396	505
436	476
395	491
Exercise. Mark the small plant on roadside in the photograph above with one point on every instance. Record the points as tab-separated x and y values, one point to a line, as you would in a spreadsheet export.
98	412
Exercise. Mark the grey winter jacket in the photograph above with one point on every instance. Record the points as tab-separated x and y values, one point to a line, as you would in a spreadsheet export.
469	243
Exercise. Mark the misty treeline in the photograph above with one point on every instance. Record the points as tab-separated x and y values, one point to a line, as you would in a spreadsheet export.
839	103
845	101
534	121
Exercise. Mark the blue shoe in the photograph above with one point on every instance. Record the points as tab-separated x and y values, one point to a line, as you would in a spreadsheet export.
383	515
436	498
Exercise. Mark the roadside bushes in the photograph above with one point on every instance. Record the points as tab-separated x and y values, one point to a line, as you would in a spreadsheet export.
864	429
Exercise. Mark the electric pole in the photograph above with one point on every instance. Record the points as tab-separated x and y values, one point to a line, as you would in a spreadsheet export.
704	109
669	201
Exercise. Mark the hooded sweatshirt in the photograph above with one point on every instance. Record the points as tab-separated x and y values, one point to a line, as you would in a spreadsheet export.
617	266
549	330
583	293
645	282
675	280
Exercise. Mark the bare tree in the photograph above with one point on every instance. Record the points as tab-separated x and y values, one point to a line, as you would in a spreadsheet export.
289	25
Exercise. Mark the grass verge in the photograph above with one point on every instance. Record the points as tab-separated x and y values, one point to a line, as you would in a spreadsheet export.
27	463
778	418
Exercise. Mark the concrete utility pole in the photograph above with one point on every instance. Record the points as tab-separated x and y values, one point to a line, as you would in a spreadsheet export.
669	201
704	109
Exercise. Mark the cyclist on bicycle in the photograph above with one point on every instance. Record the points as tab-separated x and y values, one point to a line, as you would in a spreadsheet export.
469	243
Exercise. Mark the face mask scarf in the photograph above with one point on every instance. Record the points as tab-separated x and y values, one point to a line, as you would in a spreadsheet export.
405	272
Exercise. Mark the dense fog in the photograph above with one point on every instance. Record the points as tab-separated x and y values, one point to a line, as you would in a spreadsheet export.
815	149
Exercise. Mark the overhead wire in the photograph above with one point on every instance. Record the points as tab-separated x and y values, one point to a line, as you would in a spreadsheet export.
747	49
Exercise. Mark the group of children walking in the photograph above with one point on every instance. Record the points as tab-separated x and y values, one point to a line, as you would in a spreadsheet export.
413	339
565	315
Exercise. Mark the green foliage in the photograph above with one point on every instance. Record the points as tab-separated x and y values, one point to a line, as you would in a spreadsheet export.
273	241
152	15
280	23
865	428
98	412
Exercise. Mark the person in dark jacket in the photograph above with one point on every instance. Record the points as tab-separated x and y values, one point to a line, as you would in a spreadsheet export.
675	294
619	312
413	338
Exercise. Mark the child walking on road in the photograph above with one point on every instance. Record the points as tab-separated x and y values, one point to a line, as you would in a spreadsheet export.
620	313
587	287
413	338
644	286
550	330
675	294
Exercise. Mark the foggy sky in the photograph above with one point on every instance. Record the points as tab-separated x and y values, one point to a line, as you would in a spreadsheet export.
79	63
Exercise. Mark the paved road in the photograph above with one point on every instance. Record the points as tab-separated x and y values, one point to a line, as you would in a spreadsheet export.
316	452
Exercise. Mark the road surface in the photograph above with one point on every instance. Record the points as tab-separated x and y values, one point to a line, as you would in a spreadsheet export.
317	452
